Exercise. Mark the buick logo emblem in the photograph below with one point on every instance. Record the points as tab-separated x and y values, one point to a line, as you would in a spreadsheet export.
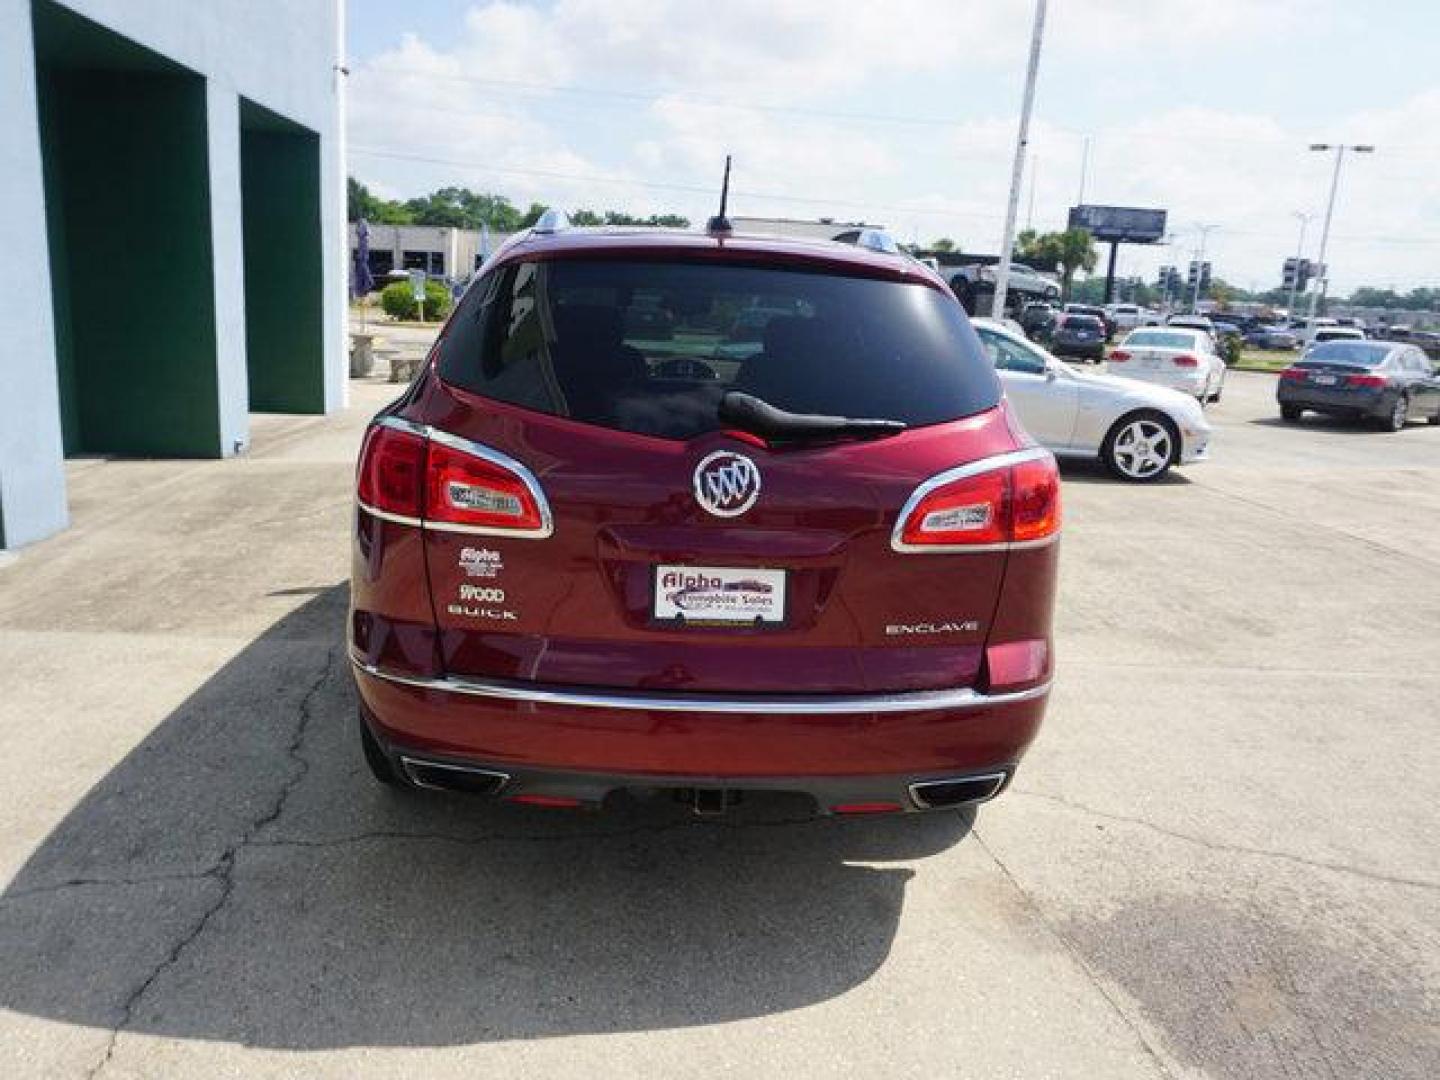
727	484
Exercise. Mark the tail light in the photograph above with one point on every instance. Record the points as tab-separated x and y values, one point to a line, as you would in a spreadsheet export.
1185	360
392	472
1009	499
441	481
1293	374
463	489
1119	356
1369	381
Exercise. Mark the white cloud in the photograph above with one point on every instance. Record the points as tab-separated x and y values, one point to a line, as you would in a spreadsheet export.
648	96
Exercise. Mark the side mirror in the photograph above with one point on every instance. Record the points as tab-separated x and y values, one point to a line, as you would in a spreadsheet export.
1050	373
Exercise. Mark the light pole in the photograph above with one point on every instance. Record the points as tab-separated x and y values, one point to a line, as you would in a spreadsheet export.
1022	139
1205	231
1304	219
1339	149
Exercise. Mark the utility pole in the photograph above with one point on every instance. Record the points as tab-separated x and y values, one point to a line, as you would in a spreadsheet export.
1084	169
1339	148
1299	254
1022	139
1030	210
1200	265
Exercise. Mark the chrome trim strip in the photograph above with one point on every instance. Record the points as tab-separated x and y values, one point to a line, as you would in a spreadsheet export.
740	704
924	805
972	468
406	762
385	515
485	453
401	424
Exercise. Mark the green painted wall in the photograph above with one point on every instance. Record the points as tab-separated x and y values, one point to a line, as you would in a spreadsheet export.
59	264
127	167
284	320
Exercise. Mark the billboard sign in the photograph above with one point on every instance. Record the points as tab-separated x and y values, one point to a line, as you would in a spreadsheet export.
1122	224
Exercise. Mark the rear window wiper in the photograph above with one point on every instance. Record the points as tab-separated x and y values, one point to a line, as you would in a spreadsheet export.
759	417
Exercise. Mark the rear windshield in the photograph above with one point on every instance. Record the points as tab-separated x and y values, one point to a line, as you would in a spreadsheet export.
1354	353
651	347
1082	322
1161	339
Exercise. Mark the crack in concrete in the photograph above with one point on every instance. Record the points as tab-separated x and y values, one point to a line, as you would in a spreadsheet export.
223	871
1234	849
1151	1051
13	896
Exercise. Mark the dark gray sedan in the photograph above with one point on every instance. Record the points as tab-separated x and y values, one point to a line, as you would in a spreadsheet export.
1079	335
1388	382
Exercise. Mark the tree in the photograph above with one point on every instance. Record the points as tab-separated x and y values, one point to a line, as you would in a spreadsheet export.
1074	250
360	203
945	245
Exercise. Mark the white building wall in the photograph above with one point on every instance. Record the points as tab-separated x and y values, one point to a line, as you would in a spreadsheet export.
282	54
32	455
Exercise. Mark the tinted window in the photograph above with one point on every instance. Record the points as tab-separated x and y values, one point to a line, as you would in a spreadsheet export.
651	347
1161	339
1082	322
1355	353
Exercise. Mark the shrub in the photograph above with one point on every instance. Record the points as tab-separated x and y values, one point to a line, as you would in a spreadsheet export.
1230	348
399	302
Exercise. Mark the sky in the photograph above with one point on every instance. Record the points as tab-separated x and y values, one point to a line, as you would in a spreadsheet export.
904	113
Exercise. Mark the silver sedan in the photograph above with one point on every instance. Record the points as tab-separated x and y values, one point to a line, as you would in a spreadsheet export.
1137	429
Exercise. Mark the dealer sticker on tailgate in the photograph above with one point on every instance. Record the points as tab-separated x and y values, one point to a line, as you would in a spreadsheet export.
719	594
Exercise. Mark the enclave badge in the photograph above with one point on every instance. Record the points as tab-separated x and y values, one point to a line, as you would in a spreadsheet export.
726	483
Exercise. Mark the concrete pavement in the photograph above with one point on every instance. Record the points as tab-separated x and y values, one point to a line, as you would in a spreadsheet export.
1219	859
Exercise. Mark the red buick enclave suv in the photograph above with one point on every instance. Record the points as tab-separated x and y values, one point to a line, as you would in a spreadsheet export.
704	512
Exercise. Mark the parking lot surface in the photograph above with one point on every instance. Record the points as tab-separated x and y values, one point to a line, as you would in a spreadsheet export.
1219	860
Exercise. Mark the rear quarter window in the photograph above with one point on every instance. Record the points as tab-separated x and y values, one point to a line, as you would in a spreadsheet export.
651	346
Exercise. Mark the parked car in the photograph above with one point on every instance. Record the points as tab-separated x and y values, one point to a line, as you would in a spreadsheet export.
1335	333
826	568
1138	430
1079	335
1124	316
1039	320
1194	322
1387	382
1099	313
1183	358
1272	337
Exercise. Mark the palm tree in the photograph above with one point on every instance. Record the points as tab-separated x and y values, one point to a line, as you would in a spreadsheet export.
1074	250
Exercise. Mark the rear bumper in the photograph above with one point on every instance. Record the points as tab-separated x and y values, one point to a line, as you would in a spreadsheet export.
1192	384
831	746
1358	402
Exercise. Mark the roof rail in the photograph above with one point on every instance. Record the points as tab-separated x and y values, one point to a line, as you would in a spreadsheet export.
551	221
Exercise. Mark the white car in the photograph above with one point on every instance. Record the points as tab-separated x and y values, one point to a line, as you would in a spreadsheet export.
1138	431
1181	357
1125	316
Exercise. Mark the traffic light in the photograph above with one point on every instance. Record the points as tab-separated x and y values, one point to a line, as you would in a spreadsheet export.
1204	278
1162	280
1291	277
1303	273
1193	275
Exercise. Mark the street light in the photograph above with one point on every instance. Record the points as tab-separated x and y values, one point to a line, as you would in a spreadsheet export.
1304	220
1339	148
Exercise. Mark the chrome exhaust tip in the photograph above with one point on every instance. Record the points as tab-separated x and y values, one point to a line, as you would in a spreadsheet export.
957	791
445	776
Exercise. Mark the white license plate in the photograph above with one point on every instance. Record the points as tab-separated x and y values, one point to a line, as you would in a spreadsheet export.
1325	380
1151	361
719	594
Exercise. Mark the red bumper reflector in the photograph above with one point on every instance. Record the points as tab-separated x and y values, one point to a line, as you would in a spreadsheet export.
559	802
1017	664
866	808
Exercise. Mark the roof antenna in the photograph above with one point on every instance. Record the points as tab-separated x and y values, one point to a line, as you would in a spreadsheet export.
720	223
